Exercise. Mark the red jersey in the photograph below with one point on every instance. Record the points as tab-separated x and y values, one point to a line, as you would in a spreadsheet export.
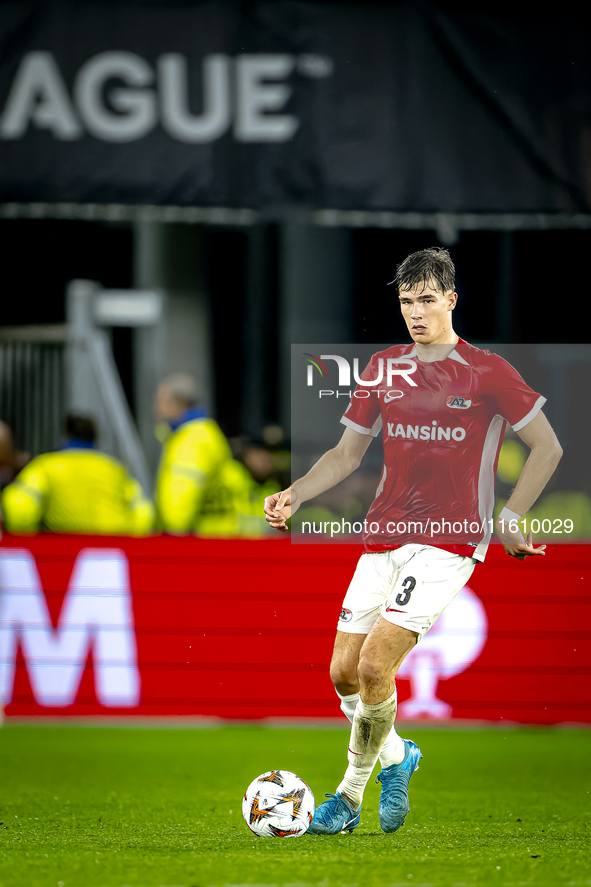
442	425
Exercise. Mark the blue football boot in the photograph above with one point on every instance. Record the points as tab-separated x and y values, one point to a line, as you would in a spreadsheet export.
394	795
334	816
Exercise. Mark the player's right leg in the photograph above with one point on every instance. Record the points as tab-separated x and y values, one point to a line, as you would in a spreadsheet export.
369	589
343	673
381	656
367	592
336	814
344	663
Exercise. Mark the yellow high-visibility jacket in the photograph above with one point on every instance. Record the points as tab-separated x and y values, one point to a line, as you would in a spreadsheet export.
76	491
225	506
200	488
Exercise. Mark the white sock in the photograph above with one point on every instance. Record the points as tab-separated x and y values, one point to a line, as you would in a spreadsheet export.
393	749
371	725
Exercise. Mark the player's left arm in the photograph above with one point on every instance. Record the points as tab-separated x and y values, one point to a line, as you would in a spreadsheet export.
545	454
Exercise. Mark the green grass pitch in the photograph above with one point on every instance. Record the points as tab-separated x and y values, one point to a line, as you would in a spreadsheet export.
110	807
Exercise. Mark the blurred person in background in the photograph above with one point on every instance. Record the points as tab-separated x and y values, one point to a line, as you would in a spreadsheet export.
76	490
11	460
200	487
349	501
261	463
6	468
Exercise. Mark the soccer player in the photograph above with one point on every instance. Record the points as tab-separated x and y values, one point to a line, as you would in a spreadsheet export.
442	406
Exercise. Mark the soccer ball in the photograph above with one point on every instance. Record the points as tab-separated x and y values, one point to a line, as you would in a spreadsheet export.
278	804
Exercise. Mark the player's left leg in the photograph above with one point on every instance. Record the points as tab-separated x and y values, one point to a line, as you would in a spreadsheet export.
427	584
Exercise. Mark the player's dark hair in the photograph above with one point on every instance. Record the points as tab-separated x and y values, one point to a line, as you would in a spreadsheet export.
433	265
79	428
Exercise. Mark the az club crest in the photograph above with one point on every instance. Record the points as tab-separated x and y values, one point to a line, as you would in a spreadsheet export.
455	402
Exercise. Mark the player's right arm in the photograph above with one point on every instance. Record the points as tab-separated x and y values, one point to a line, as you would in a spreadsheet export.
333	467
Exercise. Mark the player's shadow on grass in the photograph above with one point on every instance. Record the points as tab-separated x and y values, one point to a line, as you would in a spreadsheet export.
349	835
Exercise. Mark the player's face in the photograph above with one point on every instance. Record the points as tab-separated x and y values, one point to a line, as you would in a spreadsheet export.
428	314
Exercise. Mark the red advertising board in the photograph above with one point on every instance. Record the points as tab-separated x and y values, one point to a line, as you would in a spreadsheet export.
238	629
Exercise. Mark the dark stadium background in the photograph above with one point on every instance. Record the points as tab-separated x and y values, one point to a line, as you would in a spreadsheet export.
441	124
541	275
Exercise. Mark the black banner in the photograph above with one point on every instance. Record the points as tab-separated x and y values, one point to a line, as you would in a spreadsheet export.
403	107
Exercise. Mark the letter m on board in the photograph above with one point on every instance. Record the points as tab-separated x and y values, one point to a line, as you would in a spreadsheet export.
96	613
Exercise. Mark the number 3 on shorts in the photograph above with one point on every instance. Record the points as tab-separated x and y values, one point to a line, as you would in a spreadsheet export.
408	584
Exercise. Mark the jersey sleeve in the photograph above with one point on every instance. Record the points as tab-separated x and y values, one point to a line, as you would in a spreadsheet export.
515	401
363	413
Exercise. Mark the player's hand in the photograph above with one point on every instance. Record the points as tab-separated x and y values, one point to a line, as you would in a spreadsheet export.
279	508
514	543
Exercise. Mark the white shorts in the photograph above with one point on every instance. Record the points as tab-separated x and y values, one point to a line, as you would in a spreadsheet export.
409	586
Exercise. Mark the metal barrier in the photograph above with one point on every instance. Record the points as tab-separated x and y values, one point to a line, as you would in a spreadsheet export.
94	385
50	369
32	384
